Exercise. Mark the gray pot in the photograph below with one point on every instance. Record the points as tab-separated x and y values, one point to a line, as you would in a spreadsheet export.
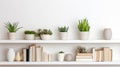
107	33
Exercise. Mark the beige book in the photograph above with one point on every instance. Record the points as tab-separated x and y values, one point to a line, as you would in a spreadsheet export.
33	53
106	53
24	54
101	58
39	51
84	57
97	55
110	55
84	54
49	57
45	57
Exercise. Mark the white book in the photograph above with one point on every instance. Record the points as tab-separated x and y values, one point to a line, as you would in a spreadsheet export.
38	55
33	53
30	54
94	54
84	60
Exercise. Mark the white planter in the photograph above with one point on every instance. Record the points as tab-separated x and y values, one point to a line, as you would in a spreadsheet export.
107	33
46	37
61	57
11	55
63	35
84	35
12	35
29	36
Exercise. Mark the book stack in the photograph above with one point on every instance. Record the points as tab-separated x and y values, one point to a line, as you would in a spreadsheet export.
84	57
35	54
102	55
98	55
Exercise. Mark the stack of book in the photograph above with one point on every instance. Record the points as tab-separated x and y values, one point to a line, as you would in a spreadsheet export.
102	55
98	55
84	57
35	54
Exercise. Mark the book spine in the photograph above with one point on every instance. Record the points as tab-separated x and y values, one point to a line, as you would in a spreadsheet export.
38	54
94	55
24	54
27	54
30	54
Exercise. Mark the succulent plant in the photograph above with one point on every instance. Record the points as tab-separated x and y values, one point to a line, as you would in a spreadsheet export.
63	29
61	52
83	25
44	31
12	27
29	32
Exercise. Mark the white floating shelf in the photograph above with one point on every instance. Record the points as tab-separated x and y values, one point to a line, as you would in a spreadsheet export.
60	41
59	63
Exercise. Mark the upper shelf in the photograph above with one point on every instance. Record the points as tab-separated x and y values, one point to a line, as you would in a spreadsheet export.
61	41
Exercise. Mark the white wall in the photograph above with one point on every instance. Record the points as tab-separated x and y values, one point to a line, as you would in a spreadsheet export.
35	14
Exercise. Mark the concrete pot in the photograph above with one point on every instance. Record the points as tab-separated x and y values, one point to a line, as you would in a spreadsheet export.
84	35
63	35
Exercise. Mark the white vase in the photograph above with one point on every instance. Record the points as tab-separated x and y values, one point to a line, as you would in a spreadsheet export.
84	35
11	55
61	57
63	35
17	56
29	36
46	37
107	33
12	35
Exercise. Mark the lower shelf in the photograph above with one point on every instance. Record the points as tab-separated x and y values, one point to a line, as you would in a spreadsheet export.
59	63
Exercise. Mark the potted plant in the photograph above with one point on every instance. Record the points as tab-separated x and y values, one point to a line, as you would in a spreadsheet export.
29	35
61	55
63	31
12	28
84	28
45	34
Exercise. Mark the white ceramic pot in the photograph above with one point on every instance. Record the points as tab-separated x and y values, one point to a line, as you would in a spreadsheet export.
29	36
107	33
46	37
17	56
63	35
84	35
61	57
12	35
11	55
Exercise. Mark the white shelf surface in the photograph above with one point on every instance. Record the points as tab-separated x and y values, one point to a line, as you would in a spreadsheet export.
60	41
59	63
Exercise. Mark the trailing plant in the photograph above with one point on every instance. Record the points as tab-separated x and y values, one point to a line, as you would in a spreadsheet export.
63	29
83	25
29	32
44	31
12	27
61	52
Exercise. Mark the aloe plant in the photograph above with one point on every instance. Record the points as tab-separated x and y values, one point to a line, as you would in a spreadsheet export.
12	27
83	25
63	29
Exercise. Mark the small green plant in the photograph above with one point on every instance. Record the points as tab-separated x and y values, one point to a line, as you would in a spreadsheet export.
44	31
61	52
63	29
83	25
12	27
29	32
